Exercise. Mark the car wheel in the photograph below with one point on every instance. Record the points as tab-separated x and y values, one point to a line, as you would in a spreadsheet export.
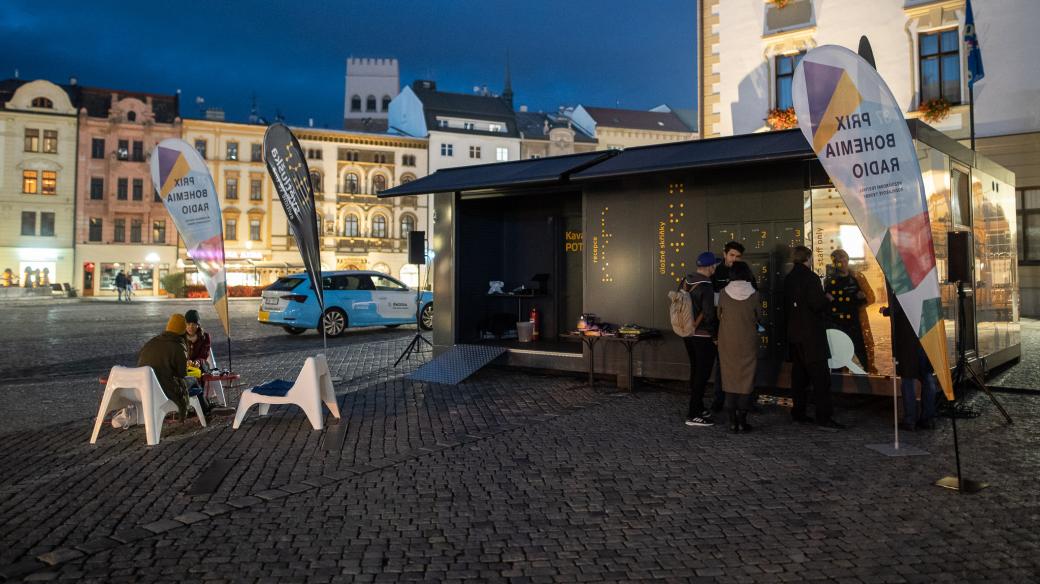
392	325
294	330
335	322
426	317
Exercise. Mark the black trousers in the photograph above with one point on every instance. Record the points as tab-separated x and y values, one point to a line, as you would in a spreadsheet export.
701	351
804	373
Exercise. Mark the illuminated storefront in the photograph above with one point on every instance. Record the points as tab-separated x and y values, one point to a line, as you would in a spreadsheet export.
144	265
643	214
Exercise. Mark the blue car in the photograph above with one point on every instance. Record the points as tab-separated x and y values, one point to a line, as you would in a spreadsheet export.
353	298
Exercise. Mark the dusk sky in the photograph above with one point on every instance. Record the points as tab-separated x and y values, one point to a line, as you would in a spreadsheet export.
292	54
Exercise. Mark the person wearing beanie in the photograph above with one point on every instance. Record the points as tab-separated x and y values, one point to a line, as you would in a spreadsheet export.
700	348
198	341
167	355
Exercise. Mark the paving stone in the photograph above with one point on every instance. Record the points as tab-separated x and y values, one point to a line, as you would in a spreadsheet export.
191	517
58	556
162	525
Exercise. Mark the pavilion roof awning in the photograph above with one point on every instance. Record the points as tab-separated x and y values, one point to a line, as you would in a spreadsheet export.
530	172
713	152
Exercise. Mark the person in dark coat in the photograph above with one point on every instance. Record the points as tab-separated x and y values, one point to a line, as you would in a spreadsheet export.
911	364
167	355
120	286
732	252
806	308
700	348
197	339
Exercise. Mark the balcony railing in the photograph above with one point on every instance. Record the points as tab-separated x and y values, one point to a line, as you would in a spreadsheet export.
367	244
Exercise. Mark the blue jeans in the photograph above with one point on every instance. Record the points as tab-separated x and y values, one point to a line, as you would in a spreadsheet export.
928	393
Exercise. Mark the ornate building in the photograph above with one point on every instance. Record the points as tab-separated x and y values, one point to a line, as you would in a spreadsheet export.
121	224
37	181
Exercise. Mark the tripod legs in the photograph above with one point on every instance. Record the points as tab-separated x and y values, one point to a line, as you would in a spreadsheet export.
416	346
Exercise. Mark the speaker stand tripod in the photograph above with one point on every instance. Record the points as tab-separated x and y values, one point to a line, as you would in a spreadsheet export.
965	376
419	342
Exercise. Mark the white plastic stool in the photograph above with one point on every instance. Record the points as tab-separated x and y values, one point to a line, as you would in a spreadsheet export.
842	352
138	385
313	387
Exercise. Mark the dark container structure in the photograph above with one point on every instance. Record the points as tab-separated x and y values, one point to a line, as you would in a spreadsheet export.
611	233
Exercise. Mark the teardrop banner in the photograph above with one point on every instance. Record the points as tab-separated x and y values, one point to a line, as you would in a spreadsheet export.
288	169
854	124
183	180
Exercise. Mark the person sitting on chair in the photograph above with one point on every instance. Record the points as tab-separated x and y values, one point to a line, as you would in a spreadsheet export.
198	341
167	355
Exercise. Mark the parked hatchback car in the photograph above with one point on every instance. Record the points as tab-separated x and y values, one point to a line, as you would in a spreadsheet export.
353	298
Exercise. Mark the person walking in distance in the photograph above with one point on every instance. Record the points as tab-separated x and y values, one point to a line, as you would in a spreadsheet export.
120	285
701	346
732	252
806	309
740	311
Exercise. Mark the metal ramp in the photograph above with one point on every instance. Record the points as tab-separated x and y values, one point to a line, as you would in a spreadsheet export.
456	364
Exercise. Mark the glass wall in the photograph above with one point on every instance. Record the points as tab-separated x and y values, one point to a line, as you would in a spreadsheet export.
996	257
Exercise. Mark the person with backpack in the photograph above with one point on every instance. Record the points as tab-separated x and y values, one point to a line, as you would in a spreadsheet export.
702	331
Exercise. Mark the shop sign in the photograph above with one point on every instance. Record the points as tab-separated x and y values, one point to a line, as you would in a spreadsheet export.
573	242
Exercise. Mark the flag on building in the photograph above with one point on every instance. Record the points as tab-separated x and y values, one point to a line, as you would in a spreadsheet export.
857	129
972	49
182	179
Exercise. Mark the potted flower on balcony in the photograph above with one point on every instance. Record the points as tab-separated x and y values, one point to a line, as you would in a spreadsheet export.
934	110
780	4
781	119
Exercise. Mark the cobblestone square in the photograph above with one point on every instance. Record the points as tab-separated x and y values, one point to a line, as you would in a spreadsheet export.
513	475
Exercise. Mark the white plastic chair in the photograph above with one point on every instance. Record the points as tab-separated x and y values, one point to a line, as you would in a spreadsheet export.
216	387
842	352
138	385
313	387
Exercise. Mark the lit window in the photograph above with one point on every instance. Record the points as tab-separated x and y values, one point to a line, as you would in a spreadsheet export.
49	184
30	182
501	154
495	128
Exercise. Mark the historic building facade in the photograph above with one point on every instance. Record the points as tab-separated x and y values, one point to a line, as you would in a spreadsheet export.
37	182
749	50
617	129
121	224
370	87
347	170
543	135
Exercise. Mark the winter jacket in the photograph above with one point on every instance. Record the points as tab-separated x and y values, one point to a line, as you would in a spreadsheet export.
702	301
806	308
167	355
199	350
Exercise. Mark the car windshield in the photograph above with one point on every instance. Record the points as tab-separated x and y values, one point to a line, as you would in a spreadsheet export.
285	284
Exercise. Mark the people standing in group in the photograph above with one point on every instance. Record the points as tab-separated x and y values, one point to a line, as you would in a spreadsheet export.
740	311
911	365
120	286
732	252
700	347
807	308
849	295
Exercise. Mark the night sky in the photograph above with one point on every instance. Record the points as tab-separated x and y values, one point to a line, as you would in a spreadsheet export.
292	53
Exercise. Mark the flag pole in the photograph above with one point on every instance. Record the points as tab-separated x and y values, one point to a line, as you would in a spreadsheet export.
971	112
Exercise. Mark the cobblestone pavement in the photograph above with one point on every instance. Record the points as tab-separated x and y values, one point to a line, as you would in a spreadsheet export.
515	476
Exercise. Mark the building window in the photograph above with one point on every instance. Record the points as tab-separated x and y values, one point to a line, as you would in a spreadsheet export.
28	223
370	103
32	140
347	155
350	183
42	102
97	188
378	183
316	182
495	128
355	103
159	231
442	123
119	234
30	182
785	66
447	150
200	147
501	154
940	62
474	151
1028	203
231	229
135	230
256	189
350	226
379	158
94	230
408	160
97	148
467	125
138	192
123	150
232	150
407	225
256	152
46	224
155	195
137	154
407	178
386	103
49	184
254	230
50	141
121	189
230	188
379	226
131	116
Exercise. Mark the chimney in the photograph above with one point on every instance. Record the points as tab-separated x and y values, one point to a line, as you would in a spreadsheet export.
310	122
523	108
